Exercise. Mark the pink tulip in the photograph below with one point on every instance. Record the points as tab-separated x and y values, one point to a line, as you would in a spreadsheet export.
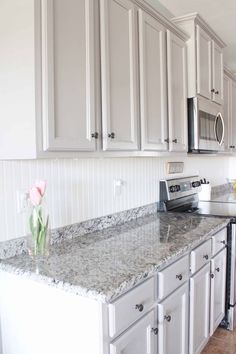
35	196
41	185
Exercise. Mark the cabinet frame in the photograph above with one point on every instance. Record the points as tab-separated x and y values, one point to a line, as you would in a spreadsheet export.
50	141
161	143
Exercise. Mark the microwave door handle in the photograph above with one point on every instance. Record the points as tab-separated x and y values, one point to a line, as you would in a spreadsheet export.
219	116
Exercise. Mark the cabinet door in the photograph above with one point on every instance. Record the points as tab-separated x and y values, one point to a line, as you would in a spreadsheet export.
139	339
199	310
68	74
233	117
173	323
218	288
204	83
119	74
217	73
177	92
153	90
227	112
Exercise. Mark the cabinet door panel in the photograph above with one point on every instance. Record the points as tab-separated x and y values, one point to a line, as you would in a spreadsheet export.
139	339
204	84
119	74
218	287
217	71
199	310
152	46
68	62
233	116
227	113
173	323
177	92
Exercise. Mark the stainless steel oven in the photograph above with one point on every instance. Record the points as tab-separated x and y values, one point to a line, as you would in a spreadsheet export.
205	126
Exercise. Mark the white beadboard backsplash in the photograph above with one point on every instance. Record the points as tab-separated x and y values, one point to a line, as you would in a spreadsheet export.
81	189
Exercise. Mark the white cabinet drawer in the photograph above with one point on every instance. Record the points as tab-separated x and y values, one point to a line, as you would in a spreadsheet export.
200	256
219	241
172	277
130	307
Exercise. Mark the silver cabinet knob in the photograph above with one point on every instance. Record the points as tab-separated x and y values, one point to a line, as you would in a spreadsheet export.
174	141
139	307
217	92
155	331
167	318
223	242
111	135
206	256
94	135
212	275
212	90
179	276
218	269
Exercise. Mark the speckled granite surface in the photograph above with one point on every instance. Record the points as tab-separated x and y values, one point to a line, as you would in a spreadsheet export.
225	197
105	264
18	246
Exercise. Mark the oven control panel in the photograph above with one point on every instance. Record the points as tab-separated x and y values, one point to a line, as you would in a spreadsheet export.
176	188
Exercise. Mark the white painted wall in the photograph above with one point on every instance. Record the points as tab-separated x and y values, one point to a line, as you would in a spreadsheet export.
83	189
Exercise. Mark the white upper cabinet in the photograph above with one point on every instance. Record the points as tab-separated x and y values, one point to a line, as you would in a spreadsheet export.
119	59
204	75
217	73
68	75
233	117
177	92
205	58
230	111
227	112
153	94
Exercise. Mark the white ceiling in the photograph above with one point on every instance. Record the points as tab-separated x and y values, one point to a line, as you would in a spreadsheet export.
219	14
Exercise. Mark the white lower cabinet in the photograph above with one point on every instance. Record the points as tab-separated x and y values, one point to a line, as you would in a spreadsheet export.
139	339
218	288
173	323
199	310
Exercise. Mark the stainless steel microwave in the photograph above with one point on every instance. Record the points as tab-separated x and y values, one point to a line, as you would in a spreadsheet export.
205	126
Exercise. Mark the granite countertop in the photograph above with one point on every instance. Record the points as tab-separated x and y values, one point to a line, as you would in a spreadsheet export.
104	264
227	197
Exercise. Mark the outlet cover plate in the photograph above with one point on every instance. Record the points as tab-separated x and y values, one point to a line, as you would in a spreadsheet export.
175	167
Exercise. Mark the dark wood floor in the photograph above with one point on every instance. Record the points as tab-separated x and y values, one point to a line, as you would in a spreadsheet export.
222	342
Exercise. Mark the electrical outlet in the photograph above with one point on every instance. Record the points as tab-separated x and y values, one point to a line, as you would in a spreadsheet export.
118	185
22	201
175	167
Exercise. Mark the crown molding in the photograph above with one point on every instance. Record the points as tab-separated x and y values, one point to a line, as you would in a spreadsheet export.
167	23
229	73
198	20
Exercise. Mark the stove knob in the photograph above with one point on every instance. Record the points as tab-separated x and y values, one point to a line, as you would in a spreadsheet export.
196	184
172	189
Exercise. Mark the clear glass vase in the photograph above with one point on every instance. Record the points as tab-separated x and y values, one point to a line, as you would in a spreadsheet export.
39	240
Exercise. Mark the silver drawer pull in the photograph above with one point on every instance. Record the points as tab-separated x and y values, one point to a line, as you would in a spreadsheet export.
218	269
179	276
139	307
155	331
206	256
212	275
223	242
167	318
